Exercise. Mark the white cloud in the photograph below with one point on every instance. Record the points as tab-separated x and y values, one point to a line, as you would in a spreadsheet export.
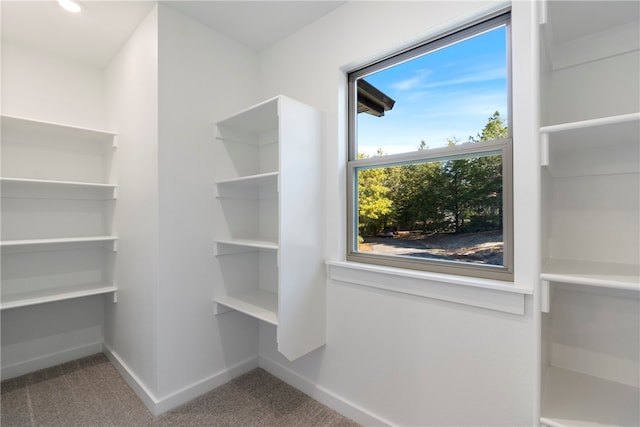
474	77
421	75
406	84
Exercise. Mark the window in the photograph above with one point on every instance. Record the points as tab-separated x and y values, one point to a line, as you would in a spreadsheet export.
429	168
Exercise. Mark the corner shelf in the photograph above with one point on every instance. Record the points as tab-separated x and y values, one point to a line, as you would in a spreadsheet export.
26	299
258	303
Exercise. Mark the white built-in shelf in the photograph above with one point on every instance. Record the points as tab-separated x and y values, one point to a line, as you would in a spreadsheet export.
27	124
599	274
258	303
257	118
592	123
33	242
267	192
251	180
25	299
590	153
56	183
253	187
609	132
572	38
256	126
230	246
572	399
253	142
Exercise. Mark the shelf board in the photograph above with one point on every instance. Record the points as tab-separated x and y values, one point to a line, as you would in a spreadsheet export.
598	274
260	117
29	242
260	304
61	128
253	244
251	180
592	123
573	35
601	132
572	399
50	295
253	187
57	183
251	142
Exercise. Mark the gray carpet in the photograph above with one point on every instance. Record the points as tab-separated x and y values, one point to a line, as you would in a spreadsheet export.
90	392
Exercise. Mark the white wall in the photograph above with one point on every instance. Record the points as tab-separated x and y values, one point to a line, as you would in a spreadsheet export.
40	86
203	77
47	87
132	90
394	358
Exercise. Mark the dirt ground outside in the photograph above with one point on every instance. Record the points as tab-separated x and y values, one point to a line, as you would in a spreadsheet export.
483	247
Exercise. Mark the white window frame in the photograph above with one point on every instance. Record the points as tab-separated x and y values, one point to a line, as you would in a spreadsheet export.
503	146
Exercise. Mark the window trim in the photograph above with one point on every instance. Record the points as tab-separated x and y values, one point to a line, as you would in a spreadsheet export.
504	272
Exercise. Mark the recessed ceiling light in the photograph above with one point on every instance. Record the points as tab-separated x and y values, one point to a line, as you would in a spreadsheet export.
69	5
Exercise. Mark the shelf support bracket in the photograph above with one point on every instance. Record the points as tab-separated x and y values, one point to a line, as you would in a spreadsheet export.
544	149
542	12
545	303
115	297
115	246
220	309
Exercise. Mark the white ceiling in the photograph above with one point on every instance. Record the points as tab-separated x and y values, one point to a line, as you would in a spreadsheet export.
93	36
96	34
257	24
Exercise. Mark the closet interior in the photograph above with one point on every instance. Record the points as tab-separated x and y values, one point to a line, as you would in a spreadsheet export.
589	135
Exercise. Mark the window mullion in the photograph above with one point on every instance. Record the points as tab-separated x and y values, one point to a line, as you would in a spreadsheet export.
443	154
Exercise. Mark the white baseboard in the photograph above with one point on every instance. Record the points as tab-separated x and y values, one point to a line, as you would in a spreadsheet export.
205	385
158	406
321	394
49	360
139	388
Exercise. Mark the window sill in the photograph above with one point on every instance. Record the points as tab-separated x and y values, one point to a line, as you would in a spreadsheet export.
485	293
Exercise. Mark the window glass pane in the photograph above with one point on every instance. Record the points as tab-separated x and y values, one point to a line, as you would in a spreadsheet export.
444	209
442	96
430	156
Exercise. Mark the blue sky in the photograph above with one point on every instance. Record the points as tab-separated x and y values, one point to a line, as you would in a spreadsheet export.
447	93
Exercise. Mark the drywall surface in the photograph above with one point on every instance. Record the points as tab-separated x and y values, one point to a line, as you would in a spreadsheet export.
565	101
46	335
132	88
203	77
40	86
394	358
